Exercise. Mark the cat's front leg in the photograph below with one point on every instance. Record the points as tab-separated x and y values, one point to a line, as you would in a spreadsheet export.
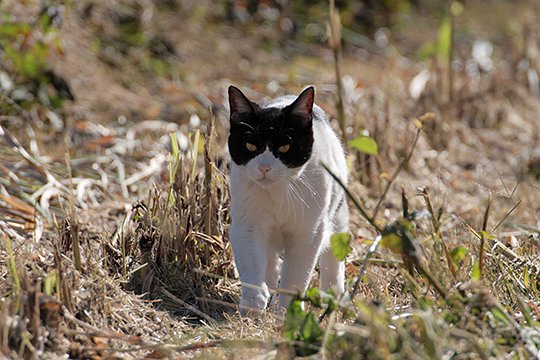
332	272
251	261
298	264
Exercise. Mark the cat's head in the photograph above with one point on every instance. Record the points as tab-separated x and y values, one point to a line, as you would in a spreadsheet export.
271	144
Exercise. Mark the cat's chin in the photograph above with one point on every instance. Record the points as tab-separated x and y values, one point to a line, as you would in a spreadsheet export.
265	183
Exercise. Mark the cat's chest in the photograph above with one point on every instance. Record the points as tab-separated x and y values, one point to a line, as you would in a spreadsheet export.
284	208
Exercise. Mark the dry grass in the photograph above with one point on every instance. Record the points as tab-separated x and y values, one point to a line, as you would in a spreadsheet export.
114	210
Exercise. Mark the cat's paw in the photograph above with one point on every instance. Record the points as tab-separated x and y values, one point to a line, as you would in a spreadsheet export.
254	306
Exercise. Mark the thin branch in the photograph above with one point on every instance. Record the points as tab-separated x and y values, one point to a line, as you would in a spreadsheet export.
507	215
334	41
353	198
190	307
362	271
396	173
438	233
483	236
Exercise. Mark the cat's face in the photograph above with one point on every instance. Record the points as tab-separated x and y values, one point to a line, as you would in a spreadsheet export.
271	144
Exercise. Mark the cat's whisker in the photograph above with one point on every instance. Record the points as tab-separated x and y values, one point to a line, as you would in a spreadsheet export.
281	202
288	194
306	205
303	180
297	192
290	203
247	125
293	208
292	193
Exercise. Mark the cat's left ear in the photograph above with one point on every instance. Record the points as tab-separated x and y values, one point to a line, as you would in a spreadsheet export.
239	103
302	107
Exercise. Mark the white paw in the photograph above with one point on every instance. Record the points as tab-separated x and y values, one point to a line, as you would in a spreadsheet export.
252	306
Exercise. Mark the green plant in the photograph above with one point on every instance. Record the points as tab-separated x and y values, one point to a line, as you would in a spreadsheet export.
441	307
441	52
12	265
340	244
303	328
26	48
365	144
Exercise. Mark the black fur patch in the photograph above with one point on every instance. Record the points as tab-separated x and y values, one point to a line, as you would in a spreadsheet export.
272	128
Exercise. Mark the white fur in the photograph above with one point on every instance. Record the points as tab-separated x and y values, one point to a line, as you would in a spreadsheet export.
288	213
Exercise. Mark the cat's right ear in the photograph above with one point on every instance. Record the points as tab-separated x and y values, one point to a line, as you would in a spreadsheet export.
239	103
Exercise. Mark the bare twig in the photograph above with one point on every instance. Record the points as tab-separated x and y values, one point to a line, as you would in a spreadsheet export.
438	233
507	215
334	41
208	172
190	307
362	271
449	64
74	222
371	219
396	173
379	262
354	199
483	236
442	291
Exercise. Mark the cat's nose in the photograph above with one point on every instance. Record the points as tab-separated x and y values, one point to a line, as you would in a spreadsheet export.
264	168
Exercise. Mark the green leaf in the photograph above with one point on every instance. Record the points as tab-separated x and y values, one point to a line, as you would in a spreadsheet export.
331	303
40	51
365	144
444	41
45	21
526	278
293	320
476	274
49	283
341	247
29	65
313	296
392	241
428	50
13	29
456	8
459	254
311	330
487	235
499	315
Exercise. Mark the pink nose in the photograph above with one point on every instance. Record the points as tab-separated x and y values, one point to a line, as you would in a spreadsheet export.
264	168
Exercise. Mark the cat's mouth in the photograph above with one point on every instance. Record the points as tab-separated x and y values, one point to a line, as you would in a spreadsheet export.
265	182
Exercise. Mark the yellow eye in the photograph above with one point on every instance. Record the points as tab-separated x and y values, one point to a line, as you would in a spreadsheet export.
284	148
251	147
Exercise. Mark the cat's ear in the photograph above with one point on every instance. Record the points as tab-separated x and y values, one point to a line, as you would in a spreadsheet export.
239	103
302	107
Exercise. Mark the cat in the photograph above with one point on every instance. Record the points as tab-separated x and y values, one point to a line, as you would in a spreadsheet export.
283	202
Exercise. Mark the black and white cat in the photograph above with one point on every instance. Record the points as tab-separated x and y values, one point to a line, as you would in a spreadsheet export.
283	203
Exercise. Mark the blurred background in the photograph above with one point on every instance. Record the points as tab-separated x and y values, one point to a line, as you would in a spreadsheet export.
146	59
95	76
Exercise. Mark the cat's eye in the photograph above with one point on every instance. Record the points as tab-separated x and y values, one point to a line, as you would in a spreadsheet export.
251	147
284	148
